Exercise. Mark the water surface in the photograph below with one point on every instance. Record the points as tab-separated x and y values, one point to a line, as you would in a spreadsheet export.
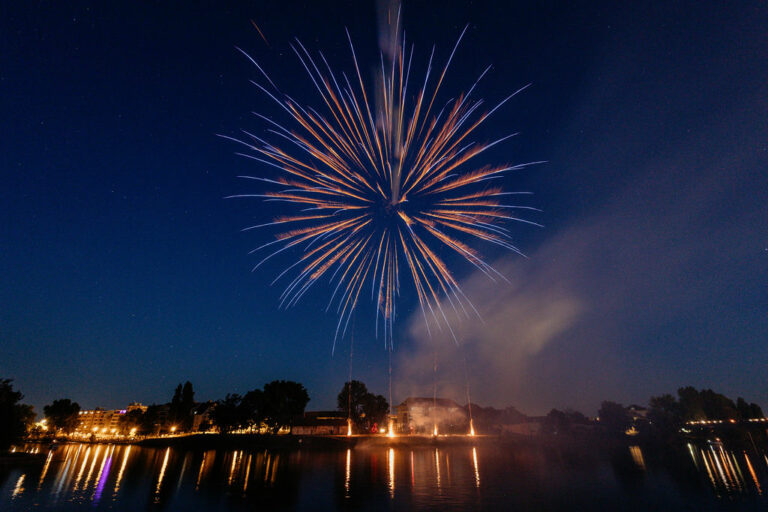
485	476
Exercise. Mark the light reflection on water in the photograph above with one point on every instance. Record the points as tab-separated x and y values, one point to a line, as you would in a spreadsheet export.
124	477
729	471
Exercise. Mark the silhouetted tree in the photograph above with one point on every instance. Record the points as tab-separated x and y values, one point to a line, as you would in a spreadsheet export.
133	419
14	417
748	411
151	419
665	415
180	408
228	414
351	401
252	406
284	400
556	423
363	407
376	409
186	406
562	422
62	414
705	404
614	417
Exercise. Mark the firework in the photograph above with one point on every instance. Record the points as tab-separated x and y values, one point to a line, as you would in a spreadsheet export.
380	177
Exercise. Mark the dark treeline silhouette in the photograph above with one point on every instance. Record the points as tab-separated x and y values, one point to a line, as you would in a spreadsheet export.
564	422
15	417
664	417
666	414
180	410
367	410
62	415
278	404
275	406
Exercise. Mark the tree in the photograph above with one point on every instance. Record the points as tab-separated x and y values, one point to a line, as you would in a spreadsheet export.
562	422
705	405
14	417
187	396
134	419
150	420
748	411
351	401
376	409
364	408
691	404
62	414
185	407
252	406
284	400
614	417
556	422
665	414
228	413
182	403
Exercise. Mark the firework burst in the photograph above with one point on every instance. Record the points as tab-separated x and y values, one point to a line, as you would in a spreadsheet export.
380	177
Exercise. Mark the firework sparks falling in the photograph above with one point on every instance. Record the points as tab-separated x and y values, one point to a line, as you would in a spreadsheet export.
380	178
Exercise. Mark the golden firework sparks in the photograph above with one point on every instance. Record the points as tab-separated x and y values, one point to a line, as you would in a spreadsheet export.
376	186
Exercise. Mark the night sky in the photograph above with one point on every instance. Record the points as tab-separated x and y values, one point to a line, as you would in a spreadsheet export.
123	270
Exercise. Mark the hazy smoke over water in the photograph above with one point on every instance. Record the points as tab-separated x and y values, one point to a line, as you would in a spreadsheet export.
654	273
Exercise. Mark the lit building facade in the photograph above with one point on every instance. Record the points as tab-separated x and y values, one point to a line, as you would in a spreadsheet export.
105	421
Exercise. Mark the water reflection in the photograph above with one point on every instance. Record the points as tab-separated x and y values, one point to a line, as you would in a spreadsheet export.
122	471
724	469
19	487
637	456
162	474
348	473
124	477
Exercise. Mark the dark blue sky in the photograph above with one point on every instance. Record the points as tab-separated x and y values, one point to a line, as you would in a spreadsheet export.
123	271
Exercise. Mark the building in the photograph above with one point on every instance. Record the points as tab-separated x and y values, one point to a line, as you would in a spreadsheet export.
105	421
314	423
100	421
419	415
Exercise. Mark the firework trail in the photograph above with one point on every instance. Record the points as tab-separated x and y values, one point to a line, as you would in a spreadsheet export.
380	176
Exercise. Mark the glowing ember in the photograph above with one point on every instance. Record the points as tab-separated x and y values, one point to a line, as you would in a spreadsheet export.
435	432
349	427
471	428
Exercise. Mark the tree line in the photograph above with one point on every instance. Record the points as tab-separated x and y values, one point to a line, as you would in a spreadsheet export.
279	403
664	416
274	406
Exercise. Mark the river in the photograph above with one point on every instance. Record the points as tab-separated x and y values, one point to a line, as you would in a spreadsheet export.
485	476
